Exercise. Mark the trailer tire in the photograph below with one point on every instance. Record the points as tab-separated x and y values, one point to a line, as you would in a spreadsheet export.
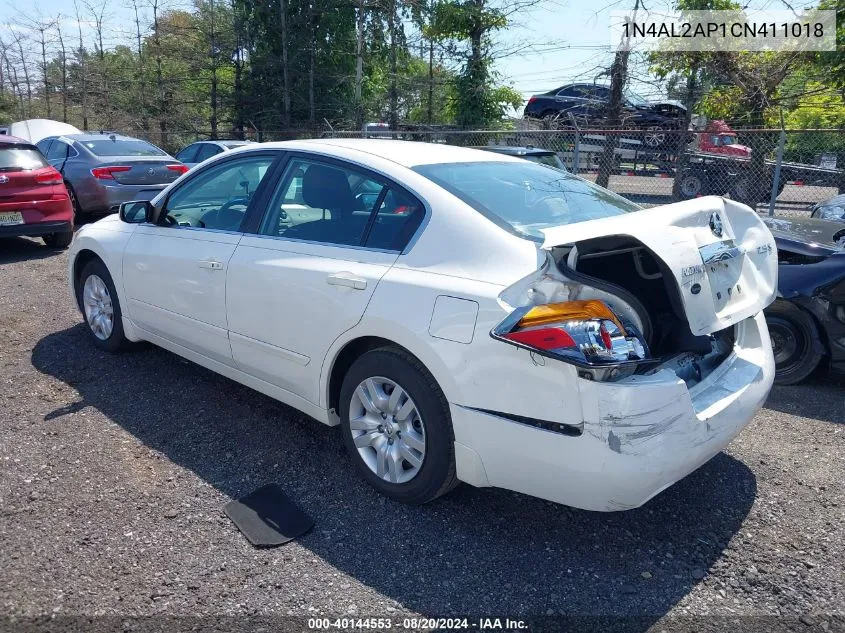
693	186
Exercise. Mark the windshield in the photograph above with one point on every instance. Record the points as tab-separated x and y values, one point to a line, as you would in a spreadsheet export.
525	197
20	158
634	99
727	139
122	147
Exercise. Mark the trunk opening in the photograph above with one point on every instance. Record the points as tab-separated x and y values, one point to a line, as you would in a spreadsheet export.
625	267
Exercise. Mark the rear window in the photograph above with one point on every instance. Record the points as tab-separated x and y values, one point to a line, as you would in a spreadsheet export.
525	197
551	160
122	147
21	157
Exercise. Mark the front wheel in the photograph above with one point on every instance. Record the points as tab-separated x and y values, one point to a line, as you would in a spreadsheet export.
396	426
794	342
101	307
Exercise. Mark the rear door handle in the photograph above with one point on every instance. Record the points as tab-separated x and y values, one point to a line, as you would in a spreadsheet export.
210	264
347	279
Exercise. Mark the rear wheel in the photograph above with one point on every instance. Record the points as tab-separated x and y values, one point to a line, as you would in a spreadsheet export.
101	307
396	426
58	240
794	338
78	214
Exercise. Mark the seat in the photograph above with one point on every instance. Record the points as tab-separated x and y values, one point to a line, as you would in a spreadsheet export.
327	188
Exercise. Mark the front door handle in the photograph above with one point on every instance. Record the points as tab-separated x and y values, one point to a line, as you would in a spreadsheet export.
210	264
347	279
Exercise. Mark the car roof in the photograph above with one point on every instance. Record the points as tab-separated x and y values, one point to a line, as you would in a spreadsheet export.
14	140
511	150
97	136
405	153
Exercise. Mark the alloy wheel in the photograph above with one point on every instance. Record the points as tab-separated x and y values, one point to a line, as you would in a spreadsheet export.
99	311
387	429
655	136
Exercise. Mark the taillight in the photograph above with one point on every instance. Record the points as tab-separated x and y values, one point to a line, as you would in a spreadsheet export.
586	333
182	169
49	176
532	100
107	173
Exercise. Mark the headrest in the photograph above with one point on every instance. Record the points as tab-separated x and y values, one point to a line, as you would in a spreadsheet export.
326	187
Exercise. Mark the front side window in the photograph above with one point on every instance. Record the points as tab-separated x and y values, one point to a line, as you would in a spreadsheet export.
217	198
322	202
524	197
44	145
122	147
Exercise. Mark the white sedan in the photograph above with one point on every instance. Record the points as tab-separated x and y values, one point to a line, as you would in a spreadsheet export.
462	315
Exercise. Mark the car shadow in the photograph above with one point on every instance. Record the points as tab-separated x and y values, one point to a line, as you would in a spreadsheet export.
812	398
20	249
475	551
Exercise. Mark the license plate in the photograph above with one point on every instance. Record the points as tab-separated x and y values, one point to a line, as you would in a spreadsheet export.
11	217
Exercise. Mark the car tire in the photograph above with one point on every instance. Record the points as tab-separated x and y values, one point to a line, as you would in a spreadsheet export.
387	460
96	296
78	213
58	240
795	342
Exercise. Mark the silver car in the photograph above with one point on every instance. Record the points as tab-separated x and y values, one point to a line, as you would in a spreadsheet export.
103	170
195	153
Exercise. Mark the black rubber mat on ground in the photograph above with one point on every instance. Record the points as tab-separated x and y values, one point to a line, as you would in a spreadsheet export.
267	517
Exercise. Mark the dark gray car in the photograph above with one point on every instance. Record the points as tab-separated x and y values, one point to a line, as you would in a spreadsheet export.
103	170
195	153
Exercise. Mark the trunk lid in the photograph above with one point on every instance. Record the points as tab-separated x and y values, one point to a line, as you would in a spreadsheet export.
722	256
153	171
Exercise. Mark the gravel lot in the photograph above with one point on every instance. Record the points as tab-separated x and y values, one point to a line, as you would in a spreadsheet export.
114	470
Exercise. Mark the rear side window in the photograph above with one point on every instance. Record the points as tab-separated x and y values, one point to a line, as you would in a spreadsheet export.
122	147
325	203
524	197
21	157
207	150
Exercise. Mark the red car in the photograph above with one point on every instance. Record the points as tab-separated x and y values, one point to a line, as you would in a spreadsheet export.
33	198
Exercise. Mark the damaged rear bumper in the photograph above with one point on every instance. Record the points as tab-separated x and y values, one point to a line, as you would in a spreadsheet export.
639	435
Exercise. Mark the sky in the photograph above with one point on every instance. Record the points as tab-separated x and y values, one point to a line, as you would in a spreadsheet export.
554	43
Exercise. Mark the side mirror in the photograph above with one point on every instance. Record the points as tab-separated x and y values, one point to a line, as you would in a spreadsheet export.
136	212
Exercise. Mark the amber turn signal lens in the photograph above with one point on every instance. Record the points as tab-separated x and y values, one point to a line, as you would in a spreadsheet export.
569	311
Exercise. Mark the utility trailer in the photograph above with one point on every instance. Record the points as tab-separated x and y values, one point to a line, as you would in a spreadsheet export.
705	173
702	173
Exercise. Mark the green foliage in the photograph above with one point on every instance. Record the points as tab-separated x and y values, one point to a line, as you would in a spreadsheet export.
479	101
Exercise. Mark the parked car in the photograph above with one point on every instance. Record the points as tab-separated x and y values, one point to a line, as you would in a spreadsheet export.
587	104
832	209
462	315
807	321
195	153
33	199
534	154
103	170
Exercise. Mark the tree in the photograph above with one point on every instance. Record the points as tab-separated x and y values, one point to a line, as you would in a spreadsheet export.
471	24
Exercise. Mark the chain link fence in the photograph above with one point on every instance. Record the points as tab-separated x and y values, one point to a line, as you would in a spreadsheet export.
782	172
